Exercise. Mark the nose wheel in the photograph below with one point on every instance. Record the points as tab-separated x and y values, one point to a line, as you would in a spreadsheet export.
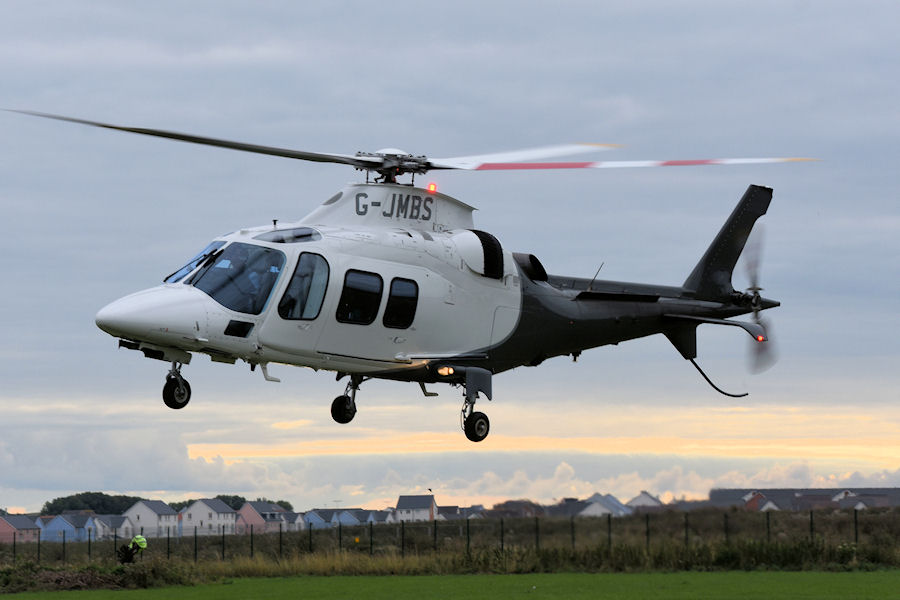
177	391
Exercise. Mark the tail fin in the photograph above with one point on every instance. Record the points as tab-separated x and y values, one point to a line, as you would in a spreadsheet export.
711	278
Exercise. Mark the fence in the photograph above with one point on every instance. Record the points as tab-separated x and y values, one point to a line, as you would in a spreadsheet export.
641	532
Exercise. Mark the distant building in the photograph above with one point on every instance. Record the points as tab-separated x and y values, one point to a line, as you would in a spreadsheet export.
208	516
263	517
152	518
644	501
416	508
801	499
19	528
108	527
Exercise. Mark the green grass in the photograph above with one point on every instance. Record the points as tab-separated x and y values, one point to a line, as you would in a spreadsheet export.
689	585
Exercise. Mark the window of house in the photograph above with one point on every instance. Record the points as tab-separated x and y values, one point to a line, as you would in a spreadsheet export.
401	305
360	298
306	291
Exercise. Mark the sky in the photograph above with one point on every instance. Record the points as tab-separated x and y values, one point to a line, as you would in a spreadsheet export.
91	215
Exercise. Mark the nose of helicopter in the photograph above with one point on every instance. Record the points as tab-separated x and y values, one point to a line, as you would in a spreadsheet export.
163	314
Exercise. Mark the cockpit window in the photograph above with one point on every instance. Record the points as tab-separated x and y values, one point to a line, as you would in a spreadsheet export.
192	264
290	236
241	277
304	295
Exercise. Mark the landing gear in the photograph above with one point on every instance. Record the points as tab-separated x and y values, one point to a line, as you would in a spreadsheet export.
177	391
475	425
343	409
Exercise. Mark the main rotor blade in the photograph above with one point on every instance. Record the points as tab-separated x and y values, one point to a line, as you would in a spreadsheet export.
365	162
628	164
477	161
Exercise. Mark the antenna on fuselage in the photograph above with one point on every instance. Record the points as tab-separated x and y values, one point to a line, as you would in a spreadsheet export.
595	277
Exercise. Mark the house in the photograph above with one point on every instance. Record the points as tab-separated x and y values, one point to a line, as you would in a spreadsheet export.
294	521
109	527
19	528
610	503
263	517
416	508
208	516
349	516
644	502
70	527
378	517
319	518
152	518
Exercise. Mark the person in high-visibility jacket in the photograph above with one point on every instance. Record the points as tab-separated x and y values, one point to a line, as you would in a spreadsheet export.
138	544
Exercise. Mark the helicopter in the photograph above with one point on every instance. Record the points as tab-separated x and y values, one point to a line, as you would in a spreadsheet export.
387	280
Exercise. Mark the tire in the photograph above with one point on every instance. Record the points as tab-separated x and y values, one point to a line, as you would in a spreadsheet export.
477	426
343	409
173	396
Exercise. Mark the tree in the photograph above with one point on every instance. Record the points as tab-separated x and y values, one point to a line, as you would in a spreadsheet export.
100	503
235	502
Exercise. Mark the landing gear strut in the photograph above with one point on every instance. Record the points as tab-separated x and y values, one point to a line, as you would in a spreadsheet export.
177	391
476	425
343	409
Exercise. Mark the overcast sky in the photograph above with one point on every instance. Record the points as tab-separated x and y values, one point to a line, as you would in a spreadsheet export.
91	215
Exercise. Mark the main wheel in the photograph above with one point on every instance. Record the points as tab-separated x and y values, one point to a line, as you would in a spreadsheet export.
343	409
174	395
477	426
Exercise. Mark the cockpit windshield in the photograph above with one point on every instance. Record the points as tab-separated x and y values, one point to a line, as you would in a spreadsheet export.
241	277
192	264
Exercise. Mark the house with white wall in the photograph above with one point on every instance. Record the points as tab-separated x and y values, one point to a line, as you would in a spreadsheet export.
210	516
416	508
152	518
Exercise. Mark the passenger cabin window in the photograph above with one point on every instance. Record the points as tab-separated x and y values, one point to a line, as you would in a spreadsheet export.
401	305
241	277
306	291
360	299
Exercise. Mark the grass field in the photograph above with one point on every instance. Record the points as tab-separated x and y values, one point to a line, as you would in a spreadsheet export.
689	585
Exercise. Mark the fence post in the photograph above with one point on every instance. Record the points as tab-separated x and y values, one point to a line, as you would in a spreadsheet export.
89	545
768	527
340	537
402	539
310	537
855	526
726	526
537	534
647	530
39	547
609	531
168	549
223	541
115	543
434	531
572	528
468	537
251	540
501	534
14	547
686	538
280	541
812	527
64	546
195	543
371	538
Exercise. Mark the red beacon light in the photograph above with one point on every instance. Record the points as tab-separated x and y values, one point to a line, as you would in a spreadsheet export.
760	338
431	187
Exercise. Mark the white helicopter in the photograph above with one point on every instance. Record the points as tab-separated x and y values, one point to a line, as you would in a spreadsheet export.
388	280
